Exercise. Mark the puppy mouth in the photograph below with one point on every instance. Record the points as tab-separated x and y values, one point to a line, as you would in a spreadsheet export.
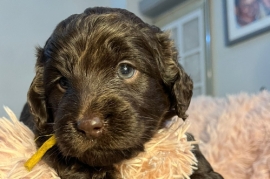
106	133
71	135
91	151
115	143
70	138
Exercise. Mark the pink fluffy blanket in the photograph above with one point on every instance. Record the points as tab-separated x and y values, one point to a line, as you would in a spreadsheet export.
234	135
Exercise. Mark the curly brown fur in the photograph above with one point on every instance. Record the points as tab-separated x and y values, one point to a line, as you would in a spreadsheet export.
79	78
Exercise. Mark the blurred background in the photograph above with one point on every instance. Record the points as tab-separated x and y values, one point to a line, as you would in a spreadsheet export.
219	62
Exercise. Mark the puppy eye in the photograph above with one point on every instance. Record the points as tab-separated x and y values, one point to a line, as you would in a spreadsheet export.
126	71
63	84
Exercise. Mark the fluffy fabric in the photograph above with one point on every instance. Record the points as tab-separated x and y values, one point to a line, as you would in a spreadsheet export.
16	146
167	155
234	133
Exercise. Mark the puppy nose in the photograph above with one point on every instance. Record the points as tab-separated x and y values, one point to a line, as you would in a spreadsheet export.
92	127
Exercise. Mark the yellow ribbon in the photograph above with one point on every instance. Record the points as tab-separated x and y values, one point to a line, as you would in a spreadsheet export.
30	163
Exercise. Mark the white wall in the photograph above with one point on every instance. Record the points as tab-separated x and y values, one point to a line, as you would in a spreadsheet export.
242	67
26	24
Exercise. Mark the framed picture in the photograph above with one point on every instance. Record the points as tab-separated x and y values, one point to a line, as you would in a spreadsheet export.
245	19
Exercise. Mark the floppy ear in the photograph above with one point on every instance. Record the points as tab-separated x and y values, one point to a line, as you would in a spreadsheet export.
182	91
174	76
36	94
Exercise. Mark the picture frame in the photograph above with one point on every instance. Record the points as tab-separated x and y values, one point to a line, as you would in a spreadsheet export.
245	19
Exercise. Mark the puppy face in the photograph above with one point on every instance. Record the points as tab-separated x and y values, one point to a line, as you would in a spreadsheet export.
104	84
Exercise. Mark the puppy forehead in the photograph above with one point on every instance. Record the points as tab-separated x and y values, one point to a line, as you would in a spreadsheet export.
100	41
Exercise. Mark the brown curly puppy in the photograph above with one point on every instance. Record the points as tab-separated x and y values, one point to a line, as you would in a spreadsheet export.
105	83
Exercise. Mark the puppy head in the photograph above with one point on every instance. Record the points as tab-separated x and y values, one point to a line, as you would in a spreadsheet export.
104	83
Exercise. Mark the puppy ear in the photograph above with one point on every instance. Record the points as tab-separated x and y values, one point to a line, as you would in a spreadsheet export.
182	91
174	76
36	93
